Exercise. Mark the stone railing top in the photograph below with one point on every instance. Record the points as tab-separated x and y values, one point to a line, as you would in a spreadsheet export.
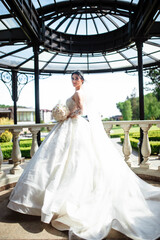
20	126
133	122
40	125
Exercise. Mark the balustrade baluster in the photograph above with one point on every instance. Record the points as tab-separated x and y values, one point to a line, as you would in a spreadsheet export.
127	149
108	128
16	152
49	128
34	146
146	149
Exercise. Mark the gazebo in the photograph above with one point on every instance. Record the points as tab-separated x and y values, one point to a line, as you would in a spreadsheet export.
58	36
40	37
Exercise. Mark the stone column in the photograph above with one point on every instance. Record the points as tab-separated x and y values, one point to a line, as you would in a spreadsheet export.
16	153
127	149
34	148
146	149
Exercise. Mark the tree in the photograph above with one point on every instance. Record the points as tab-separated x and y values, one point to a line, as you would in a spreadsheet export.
154	84
130	108
151	107
135	105
120	106
126	109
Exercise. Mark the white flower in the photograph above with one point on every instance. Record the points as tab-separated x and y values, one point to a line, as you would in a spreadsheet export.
60	112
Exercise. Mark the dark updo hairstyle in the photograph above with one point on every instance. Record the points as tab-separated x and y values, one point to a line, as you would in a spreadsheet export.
79	73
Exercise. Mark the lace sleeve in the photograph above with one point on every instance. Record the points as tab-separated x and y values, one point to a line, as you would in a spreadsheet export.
78	98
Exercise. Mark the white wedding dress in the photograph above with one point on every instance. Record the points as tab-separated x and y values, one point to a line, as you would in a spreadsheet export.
79	182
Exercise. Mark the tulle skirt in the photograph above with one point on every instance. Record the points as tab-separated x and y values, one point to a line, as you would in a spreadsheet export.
78	181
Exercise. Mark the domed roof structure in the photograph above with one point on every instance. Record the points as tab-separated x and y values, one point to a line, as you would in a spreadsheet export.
90	35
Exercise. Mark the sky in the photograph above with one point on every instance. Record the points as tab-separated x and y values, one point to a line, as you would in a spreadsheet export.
109	89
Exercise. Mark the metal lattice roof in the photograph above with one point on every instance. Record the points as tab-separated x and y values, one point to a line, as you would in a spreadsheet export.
93	36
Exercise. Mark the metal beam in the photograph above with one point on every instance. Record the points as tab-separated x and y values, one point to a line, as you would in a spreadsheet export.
154	30
36	72
144	17
68	43
27	16
52	9
13	52
12	35
141	94
14	94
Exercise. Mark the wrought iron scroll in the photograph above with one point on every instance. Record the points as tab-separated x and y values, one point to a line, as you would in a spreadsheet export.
22	80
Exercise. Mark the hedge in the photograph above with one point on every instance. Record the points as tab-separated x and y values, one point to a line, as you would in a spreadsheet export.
25	143
25	147
115	135
25	152
8	151
155	145
152	135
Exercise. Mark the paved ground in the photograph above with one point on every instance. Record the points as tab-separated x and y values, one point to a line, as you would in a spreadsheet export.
16	226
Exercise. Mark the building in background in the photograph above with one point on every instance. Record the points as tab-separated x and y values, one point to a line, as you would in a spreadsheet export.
26	115
116	118
46	115
6	113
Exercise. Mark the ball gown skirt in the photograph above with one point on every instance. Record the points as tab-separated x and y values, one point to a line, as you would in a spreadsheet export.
80	183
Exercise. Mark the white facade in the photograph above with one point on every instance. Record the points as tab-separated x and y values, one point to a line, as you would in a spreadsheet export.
27	115
46	115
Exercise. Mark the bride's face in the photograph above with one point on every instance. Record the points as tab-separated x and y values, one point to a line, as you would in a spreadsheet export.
77	81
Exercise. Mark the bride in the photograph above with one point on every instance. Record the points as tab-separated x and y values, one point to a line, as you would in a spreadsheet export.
77	180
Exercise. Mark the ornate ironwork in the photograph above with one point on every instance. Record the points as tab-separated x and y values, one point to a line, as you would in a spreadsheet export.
22	80
6	78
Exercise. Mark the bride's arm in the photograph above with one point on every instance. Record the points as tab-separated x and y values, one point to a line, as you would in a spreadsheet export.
79	103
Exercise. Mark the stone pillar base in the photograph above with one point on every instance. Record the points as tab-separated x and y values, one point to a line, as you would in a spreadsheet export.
16	170
144	166
129	164
10	161
2	174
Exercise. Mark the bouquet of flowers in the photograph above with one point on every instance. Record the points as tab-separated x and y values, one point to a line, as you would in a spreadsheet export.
60	112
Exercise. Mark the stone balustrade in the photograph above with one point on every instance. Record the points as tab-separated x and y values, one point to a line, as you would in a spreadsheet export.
35	128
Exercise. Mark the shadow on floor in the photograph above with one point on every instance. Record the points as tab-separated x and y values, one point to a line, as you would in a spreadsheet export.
31	224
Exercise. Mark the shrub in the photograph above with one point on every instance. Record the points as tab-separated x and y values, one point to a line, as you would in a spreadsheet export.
6	121
25	152
26	143
153	135
6	144
155	145
25	146
6	152
6	136
115	135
